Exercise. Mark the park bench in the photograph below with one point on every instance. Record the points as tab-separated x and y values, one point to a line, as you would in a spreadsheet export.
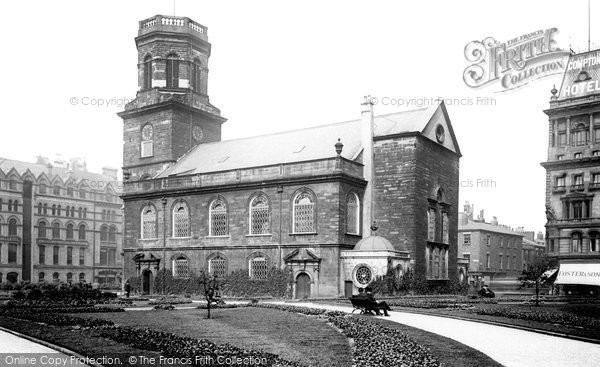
364	305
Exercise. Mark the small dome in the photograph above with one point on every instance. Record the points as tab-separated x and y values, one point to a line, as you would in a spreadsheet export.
374	243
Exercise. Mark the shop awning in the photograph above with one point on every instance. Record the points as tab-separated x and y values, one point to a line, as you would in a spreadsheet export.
587	274
549	276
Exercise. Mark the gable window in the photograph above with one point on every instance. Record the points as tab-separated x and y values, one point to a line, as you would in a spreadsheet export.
69	191
352	214
304	213
218	218
217	267
181	220
42	188
181	268
147	73
172	71
148	222
259	215
259	268
56	190
146	149
12	184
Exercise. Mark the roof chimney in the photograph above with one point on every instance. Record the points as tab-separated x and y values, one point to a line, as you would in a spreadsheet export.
463	219
494	220
481	217
366	117
50	173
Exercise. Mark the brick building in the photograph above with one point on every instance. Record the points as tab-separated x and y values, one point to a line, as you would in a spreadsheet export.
493	251
573	175
337	204
533	246
59	222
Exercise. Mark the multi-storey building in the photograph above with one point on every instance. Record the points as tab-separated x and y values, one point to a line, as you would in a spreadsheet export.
59	222
533	247
492	250
300	200
573	175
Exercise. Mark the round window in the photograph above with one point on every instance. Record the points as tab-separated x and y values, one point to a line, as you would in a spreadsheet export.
440	134
363	275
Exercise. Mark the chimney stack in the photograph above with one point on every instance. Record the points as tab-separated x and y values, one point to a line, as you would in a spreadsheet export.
494	220
366	117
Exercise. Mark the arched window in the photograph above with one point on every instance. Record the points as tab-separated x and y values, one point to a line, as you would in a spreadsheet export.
104	233
72	211
304	213
103	215
148	222
55	230
67	210
55	277
58	210
217	267
69	277
576	242
16	205
259	215
42	229
41	276
54	209
42	188
352	214
112	234
147	72
84	213
10	205
12	227
431	214
81	277
56	190
172	71
39	208
79	212
195	79
218	218
445	233
181	268
81	232
82	256
45	209
70	231
259	268
181	220
594	242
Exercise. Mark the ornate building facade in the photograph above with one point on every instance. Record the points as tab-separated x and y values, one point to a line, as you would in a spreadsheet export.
59	222
573	175
337	204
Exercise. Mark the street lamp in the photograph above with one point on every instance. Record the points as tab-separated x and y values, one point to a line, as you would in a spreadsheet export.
164	204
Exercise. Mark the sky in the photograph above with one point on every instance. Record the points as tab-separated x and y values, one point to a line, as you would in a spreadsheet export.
278	66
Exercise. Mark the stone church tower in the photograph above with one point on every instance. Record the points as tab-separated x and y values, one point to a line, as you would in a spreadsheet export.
171	112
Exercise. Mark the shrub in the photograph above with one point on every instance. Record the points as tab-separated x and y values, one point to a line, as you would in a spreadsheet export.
542	316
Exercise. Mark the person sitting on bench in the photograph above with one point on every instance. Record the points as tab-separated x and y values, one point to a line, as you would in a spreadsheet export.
361	295
377	305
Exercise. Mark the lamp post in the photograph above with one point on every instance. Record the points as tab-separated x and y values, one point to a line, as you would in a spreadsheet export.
164	204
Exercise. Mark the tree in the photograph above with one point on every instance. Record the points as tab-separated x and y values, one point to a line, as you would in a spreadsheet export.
534	271
208	285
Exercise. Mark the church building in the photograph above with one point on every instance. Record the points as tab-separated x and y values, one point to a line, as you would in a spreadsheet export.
337	205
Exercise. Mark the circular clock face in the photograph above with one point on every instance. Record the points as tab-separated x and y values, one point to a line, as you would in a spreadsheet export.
440	134
582	76
197	133
147	132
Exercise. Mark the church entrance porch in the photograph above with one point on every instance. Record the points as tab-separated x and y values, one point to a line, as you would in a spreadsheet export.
302	286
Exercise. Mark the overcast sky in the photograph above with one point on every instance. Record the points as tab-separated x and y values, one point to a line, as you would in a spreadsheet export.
279	66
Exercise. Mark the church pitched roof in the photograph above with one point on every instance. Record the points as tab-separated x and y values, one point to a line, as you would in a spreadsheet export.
305	144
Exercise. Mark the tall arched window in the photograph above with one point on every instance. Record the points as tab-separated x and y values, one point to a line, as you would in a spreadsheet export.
70	231
45	209
16	205
259	215
259	268
181	220
431	214
72	211
84	213
58	210
218	218
42	229
12	227
54	209
172	71
148	222
79	212
594	242
195	77
104	233
10	205
112	234
576	242
81	233
217	267
181	267
147	73
304	213
39	208
352	214
55	230
67	211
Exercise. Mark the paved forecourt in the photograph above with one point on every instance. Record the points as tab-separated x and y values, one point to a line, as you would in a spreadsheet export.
508	346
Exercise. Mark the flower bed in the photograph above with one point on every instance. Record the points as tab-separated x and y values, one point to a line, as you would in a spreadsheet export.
541	316
374	345
170	301
52	318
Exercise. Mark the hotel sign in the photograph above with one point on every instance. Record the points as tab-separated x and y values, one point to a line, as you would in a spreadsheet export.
582	75
514	63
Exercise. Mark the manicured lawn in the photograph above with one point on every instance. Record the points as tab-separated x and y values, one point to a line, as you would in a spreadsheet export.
308	340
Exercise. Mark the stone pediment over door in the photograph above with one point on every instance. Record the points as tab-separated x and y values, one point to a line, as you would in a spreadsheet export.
302	256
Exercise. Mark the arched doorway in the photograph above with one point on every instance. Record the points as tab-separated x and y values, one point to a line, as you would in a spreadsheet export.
302	286
146	281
